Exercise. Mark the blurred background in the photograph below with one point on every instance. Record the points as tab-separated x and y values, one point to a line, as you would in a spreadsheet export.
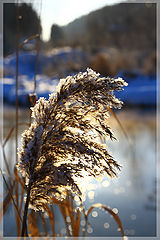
116	39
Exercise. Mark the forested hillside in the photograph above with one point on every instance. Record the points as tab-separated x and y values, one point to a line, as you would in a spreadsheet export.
125	25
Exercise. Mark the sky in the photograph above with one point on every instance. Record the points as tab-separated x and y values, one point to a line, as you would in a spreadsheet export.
62	12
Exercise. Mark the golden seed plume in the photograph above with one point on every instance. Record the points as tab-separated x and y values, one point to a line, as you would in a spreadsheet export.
61	144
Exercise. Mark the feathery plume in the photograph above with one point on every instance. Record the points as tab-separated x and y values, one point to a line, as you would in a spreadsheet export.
61	144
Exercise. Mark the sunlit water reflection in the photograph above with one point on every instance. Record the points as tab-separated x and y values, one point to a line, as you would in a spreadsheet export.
132	195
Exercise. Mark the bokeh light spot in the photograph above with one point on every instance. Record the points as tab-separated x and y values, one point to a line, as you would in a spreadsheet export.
106	225
94	214
105	183
91	195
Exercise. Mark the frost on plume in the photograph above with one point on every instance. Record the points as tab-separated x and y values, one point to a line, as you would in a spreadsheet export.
61	146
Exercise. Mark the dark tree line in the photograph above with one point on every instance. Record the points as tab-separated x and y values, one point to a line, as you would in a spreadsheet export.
28	24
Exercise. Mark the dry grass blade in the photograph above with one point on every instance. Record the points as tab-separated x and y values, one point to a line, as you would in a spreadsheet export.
33	225
64	212
11	132
64	206
115	216
56	201
76	227
51	217
68	210
18	179
8	136
10	193
6	201
44	223
75	218
119	123
24	123
28	40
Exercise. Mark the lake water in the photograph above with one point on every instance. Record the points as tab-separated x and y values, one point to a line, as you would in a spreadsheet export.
132	195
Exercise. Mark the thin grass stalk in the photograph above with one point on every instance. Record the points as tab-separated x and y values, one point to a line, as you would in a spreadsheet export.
17	201
36	64
16	129
33	97
37	48
17	55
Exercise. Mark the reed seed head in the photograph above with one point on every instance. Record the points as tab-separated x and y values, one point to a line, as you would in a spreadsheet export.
61	146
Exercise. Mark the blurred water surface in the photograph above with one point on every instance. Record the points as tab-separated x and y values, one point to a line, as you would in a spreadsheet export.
132	195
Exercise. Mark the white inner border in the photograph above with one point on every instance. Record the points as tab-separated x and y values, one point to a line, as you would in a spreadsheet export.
158	129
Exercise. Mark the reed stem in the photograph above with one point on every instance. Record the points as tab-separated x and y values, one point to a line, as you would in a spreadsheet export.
24	223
